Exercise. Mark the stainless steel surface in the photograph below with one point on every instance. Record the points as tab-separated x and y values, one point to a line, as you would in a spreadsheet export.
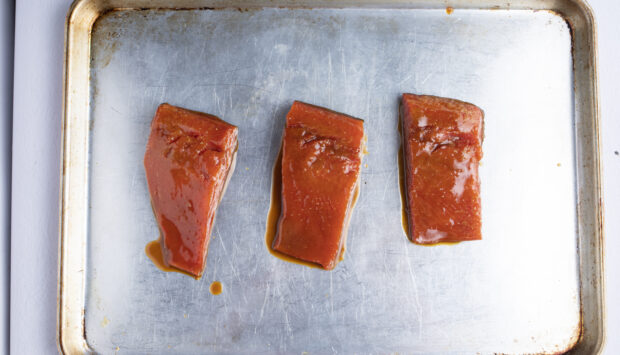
532	285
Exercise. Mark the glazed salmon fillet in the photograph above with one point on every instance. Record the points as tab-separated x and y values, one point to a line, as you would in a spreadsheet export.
321	160
189	158
442	146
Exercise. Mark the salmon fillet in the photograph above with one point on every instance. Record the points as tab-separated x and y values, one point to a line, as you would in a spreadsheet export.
321	160
189	158
442	146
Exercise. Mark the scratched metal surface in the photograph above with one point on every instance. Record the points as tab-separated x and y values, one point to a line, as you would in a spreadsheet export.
517	291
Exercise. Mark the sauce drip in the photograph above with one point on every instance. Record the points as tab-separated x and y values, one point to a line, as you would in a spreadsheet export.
153	251
215	288
403	198
401	181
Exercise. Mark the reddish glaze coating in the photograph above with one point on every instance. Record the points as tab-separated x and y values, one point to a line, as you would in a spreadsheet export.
189	156
442	143
321	161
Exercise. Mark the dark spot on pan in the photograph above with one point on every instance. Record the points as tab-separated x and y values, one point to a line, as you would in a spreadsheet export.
107	53
249	9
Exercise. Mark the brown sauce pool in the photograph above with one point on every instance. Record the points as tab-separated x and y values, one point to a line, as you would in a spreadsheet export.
403	194
215	288
153	251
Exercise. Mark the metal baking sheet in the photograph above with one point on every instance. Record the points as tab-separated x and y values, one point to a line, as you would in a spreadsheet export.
532	285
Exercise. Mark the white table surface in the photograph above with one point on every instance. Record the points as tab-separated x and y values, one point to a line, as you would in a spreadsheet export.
39	40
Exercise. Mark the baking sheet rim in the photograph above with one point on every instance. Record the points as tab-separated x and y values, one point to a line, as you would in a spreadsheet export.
82	15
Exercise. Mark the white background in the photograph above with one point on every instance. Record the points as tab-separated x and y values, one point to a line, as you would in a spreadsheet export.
37	102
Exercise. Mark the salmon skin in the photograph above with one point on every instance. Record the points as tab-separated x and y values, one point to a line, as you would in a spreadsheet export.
442	147
189	158
321	162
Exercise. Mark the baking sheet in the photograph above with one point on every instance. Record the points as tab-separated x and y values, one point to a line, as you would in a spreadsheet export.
517	291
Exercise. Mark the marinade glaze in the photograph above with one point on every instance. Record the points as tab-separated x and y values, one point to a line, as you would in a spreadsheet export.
321	162
188	161
442	148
